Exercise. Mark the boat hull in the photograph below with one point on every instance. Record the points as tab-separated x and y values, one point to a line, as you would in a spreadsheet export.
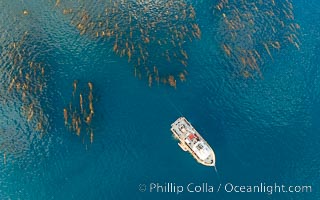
191	141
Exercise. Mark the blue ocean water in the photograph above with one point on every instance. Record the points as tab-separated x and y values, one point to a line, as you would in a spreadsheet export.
262	130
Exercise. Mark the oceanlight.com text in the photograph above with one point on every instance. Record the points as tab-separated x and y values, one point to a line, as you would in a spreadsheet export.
265	188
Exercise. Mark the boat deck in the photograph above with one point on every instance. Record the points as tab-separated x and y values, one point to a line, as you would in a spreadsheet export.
192	141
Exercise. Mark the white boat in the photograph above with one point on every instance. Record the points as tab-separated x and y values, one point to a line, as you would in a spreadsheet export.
191	141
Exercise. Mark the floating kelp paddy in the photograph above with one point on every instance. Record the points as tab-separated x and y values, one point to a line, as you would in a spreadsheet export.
251	31
79	113
152	35
25	82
